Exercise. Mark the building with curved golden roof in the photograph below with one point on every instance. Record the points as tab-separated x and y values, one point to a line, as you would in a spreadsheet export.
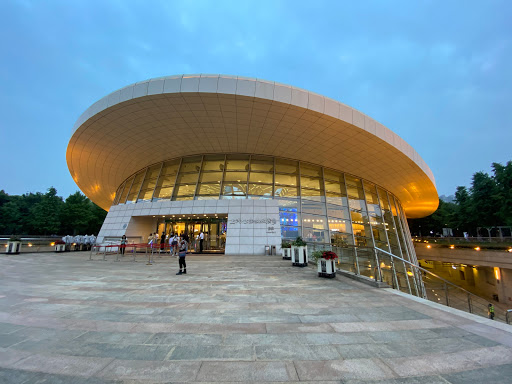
246	155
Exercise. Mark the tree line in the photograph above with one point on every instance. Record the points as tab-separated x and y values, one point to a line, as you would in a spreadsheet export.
49	214
486	204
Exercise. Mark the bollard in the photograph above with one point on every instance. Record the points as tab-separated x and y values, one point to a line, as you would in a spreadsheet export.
104	253
134	252
149	257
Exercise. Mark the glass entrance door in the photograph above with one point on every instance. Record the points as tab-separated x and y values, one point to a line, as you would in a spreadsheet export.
214	229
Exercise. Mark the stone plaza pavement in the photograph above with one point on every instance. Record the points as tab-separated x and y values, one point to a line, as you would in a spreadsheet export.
65	319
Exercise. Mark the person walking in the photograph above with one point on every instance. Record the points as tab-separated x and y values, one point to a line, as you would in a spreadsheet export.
201	239
181	257
123	244
490	311
162	242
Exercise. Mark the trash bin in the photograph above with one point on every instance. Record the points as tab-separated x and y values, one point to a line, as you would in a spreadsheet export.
267	250
273	250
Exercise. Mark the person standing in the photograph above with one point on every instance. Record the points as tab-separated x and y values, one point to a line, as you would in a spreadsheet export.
490	311
201	239
174	245
181	257
123	244
162	242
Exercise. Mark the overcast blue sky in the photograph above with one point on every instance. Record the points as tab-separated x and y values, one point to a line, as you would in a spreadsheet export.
438	73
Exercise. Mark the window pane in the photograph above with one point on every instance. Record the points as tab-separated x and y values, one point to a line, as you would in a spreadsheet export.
341	239
310	182
134	190
184	190
313	207
355	192
379	234
338	212
288	203
357	204
237	162
374	210
339	225
163	192
187	178
129	182
145	195
312	194
289	217
213	163
258	177
119	192
153	171
333	175
290	233
262	164
260	189
372	198
234	189
191	164
240	177
336	198
312	221
170	168
286	192
209	189
211	177
287	179
369	187
286	166
353	181
335	187
359	217
383	199
315	235
310	170
146	192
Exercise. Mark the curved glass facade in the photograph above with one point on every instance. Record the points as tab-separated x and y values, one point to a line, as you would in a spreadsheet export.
317	203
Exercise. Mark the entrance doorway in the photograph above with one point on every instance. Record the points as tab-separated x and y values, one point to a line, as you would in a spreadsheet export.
214	228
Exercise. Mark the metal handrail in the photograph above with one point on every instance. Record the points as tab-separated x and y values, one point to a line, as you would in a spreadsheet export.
446	283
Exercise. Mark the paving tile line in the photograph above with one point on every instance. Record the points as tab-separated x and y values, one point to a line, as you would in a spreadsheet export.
370	368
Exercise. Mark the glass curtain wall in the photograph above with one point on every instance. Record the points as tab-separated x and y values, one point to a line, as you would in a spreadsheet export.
321	205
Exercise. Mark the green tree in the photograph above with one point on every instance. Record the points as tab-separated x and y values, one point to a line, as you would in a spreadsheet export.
462	218
503	179
76	215
45	215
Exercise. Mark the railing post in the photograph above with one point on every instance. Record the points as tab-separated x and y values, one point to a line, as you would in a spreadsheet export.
394	274
90	254
446	294
356	261
149	256
378	266
470	307
105	253
134	251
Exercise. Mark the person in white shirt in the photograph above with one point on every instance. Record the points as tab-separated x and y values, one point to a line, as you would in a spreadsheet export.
201	239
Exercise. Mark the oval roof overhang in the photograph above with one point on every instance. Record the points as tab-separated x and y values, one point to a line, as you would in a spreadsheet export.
163	118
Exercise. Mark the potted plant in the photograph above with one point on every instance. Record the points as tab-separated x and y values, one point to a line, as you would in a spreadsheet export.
325	265
286	246
60	246
14	245
299	253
